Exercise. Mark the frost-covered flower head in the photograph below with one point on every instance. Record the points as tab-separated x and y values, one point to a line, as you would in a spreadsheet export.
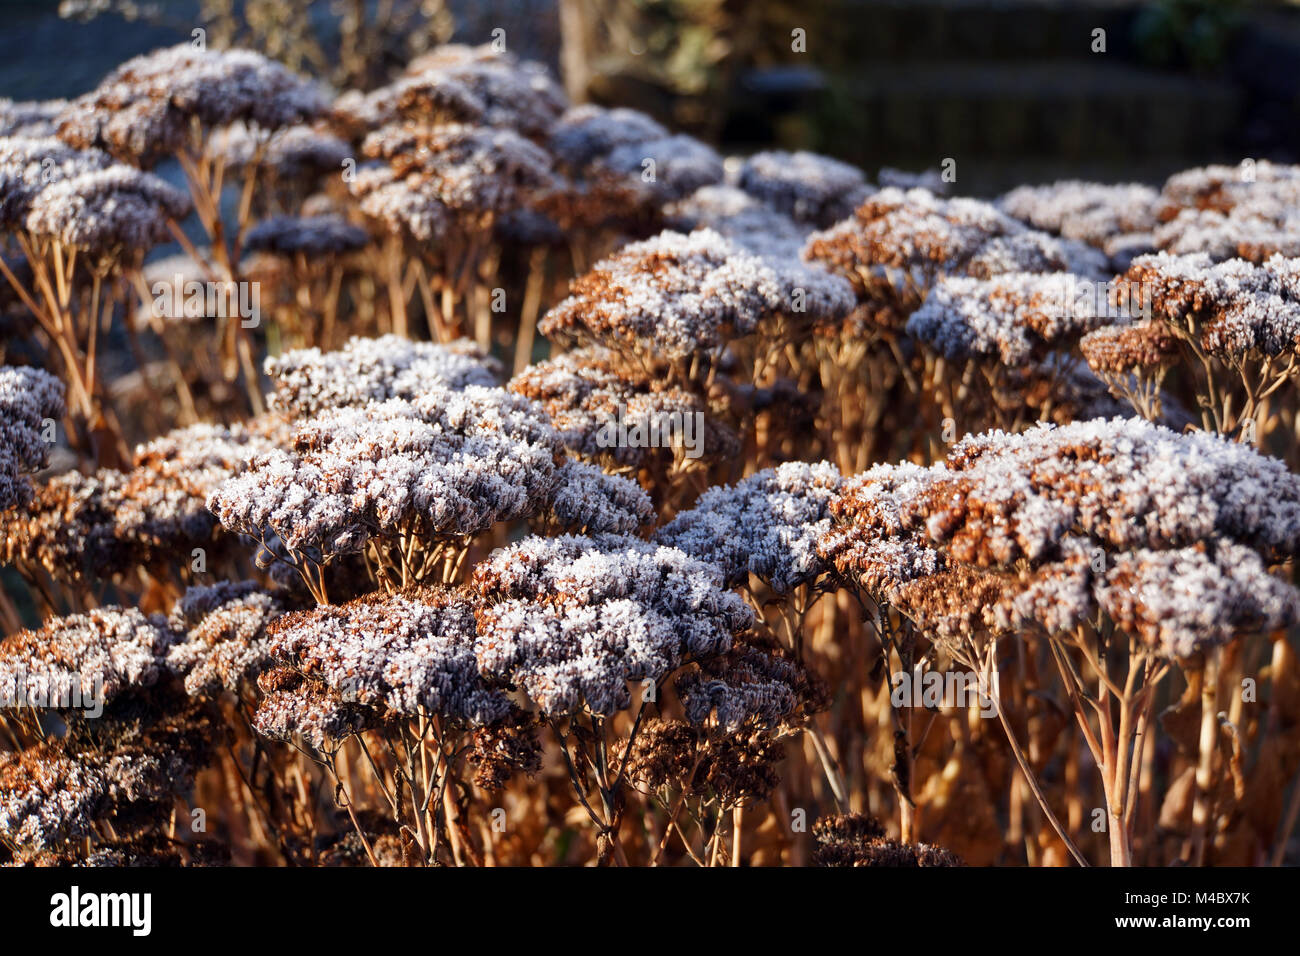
767	525
587	133
30	165
1014	318
86	527
1126	347
401	654
1094	213
898	243
570	620
1068	520
91	657
294	152
313	236
809	187
29	397
666	169
745	686
738	216
454	174
522	96
1255	231
588	392
676	295
144	109
293	706
586	500
109	212
309	381
1232	307
222	641
1222	188
448	464
30	118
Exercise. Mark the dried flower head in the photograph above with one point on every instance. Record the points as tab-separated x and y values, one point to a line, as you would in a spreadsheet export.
587	133
92	657
452	174
144	109
29	397
856	839
588	392
313	236
448	464
1232	307
109	212
572	619
1015	318
28	166
309	381
898	243
586	500
31	118
738	216
222	639
676	295
767	525
1090	212
806	186
294	707
402	654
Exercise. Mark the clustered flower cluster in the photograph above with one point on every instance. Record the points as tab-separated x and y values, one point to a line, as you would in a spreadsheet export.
800	439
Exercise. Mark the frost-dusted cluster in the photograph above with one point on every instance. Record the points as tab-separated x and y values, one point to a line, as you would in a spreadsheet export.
312	236
586	500
1231	307
806	186
144	109
404	654
81	527
572	619
898	243
29	165
675	295
109	212
744	686
1114	218
221	636
30	117
433	178
29	397
309	381
447	464
1014	318
91	657
1170	534
741	218
767	525
588	392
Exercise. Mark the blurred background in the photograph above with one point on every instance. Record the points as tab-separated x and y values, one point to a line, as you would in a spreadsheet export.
1016	91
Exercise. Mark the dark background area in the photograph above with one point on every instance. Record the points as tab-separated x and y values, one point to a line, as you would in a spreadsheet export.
1013	90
